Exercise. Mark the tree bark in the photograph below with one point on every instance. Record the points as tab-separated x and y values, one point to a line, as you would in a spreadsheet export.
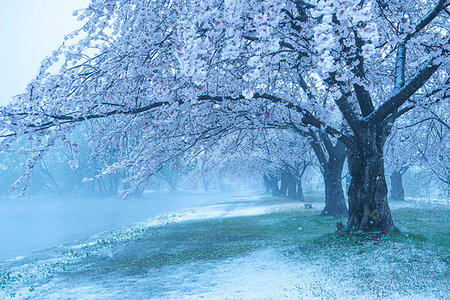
334	195
331	167
300	196
397	191
271	182
291	184
368	205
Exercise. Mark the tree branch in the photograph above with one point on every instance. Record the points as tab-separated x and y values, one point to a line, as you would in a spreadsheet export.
348	113
318	150
67	119
327	142
440	6
307	117
397	100
400	67
362	95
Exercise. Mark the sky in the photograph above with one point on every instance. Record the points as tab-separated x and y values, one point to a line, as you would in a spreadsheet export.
29	31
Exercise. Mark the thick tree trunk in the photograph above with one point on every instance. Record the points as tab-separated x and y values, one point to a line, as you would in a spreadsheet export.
368	205
291	186
331	167
271	183
397	191
334	195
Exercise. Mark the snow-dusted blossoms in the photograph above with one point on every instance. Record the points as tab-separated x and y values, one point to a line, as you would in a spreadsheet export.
343	26
163	80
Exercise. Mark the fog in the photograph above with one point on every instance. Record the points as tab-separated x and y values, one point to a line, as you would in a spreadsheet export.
40	222
68	220
31	30
58	207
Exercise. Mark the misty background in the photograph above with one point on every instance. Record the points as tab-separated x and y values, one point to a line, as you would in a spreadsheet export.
29	31
59	207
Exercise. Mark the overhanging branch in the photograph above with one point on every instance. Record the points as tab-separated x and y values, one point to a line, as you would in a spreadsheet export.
307	117
400	97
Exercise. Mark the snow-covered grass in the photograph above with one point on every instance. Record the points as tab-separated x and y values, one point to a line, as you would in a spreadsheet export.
255	248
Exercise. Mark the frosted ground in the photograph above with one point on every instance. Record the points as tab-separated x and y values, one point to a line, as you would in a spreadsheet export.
240	250
36	223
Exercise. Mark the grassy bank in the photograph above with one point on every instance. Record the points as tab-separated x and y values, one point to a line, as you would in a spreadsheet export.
413	260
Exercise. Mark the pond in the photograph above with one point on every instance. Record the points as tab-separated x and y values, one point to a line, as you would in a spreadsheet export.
36	223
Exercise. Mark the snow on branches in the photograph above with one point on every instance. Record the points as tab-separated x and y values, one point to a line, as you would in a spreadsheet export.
159	79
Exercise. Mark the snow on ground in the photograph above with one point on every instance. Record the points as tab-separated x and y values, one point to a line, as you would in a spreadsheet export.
43	264
423	202
266	274
263	274
249	206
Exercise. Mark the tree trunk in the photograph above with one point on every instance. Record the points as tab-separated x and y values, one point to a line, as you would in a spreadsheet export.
283	184
206	182
172	183
267	184
334	195
348	179
331	168
368	205
272	183
300	195
113	181
291	186
397	191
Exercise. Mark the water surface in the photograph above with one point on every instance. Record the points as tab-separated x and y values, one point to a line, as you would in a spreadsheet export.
37	223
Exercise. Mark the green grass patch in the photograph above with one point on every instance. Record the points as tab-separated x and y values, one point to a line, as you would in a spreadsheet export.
429	227
417	247
207	240
304	231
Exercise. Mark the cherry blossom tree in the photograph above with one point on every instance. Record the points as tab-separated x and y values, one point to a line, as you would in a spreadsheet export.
331	159
419	138
286	156
278	156
182	75
401	154
434	145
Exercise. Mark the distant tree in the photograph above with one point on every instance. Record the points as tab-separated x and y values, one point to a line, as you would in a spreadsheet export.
10	170
182	75
401	154
288	155
434	145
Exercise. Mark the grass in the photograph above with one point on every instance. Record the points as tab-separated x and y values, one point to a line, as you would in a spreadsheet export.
430	227
415	254
208	240
220	239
